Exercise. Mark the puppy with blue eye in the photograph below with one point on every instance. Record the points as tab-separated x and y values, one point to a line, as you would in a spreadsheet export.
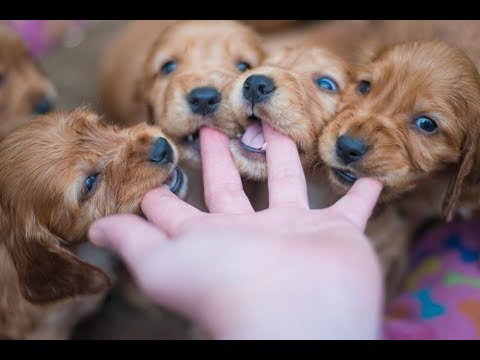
60	173
410	120
297	91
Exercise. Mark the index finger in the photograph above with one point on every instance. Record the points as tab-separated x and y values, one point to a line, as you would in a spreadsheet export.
129	235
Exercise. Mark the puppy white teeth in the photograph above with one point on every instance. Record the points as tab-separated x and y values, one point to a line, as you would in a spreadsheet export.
264	147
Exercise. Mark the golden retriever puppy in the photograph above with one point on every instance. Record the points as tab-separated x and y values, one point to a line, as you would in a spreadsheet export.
176	75
25	91
59	173
297	91
410	119
462	34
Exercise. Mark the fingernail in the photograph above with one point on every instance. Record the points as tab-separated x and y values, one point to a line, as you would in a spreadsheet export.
97	235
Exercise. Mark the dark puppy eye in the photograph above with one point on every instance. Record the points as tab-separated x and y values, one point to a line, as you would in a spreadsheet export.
168	67
327	84
243	66
426	124
90	184
363	87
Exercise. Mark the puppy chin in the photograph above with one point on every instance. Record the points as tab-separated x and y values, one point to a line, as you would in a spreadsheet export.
252	166
338	186
341	187
177	181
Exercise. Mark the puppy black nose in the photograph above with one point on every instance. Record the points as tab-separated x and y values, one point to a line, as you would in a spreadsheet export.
258	88
204	100
43	106
161	152
350	149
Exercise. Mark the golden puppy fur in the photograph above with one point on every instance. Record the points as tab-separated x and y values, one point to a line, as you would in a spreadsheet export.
59	173
297	106
151	81
24	88
407	81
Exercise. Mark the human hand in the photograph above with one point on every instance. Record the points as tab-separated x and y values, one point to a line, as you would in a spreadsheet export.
285	272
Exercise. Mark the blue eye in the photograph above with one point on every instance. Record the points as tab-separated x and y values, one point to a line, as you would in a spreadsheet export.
168	67
243	66
426	124
90	183
327	84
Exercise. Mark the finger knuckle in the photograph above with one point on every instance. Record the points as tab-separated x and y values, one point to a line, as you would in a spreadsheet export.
286	177
224	193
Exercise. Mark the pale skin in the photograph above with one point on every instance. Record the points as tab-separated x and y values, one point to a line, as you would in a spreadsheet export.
287	272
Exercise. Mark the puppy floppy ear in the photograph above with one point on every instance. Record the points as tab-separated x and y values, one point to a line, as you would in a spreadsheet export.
49	272
457	184
465	184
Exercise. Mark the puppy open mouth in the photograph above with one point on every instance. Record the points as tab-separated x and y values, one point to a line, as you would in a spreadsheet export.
192	140
175	181
252	139
344	176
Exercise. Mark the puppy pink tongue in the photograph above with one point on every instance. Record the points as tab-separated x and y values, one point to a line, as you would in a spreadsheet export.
253	136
